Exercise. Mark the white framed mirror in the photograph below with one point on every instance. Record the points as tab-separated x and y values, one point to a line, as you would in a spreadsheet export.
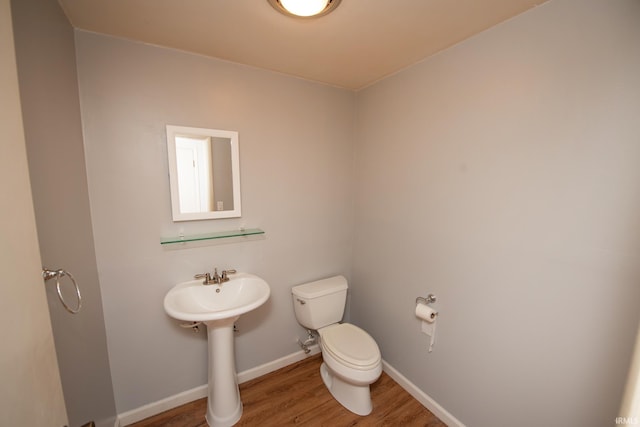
204	173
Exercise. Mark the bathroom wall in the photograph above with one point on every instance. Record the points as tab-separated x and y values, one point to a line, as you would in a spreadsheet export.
296	160
503	175
45	55
31	393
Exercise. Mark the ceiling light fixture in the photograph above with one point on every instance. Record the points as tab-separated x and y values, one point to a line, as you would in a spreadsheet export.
304	8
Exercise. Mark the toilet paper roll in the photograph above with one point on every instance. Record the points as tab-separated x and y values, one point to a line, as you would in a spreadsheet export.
428	317
426	313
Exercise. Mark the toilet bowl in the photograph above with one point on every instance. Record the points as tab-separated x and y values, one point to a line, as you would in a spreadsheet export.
351	357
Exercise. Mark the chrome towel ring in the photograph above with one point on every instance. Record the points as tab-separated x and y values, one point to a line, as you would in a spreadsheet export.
58	274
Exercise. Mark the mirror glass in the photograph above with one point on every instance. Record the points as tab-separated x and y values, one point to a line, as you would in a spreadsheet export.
204	173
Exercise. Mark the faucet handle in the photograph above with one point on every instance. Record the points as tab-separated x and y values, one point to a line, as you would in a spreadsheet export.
205	276
225	273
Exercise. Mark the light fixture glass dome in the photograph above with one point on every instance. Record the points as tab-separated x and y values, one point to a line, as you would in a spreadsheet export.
304	8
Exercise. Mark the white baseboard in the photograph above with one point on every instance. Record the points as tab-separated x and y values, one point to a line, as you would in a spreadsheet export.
421	396
199	392
154	408
261	370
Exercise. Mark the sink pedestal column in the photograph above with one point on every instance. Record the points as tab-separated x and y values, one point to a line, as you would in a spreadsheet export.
224	407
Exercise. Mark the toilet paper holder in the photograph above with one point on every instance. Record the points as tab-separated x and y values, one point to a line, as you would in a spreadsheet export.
431	298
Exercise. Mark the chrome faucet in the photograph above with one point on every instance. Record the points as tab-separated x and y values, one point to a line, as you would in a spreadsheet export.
216	279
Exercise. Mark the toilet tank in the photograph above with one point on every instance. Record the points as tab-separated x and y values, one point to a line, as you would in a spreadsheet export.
320	303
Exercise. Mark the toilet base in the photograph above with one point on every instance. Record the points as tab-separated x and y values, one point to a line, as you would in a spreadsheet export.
356	398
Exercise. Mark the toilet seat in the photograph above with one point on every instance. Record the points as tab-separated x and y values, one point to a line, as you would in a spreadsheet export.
351	346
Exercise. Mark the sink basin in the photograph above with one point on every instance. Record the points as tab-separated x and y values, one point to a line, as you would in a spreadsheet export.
193	301
218	307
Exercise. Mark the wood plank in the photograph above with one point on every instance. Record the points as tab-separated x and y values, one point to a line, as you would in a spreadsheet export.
296	395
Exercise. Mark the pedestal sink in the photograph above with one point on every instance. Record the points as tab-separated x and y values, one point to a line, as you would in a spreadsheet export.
218	307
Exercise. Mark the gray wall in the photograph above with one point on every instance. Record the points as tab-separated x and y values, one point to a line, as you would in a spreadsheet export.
49	93
503	175
296	142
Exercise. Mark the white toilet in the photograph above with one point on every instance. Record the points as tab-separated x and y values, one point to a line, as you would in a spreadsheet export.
351	358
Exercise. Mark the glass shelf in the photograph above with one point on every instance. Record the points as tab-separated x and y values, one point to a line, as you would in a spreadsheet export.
212	236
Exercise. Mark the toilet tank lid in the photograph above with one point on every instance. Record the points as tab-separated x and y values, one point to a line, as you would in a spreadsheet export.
320	287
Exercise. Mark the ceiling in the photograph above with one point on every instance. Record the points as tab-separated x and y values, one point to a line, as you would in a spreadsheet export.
359	43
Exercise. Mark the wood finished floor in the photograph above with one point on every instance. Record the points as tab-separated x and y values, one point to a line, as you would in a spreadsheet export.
296	395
